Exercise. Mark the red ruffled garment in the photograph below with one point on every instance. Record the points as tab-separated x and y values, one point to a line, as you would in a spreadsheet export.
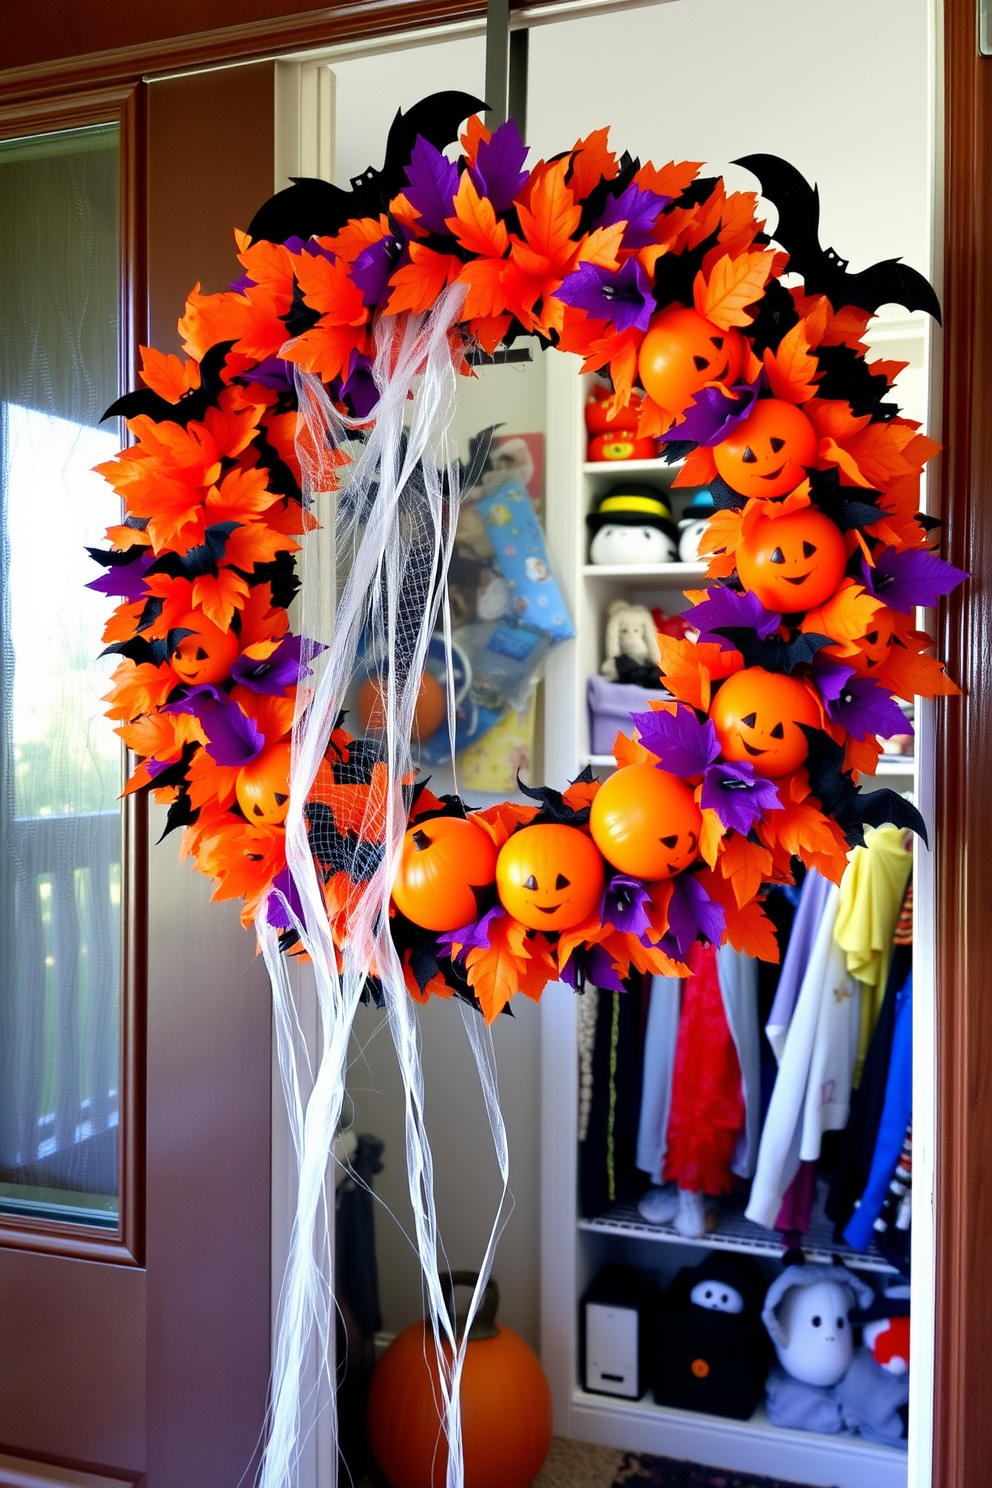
707	1112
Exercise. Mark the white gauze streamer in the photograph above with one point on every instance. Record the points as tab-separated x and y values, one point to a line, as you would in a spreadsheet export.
393	532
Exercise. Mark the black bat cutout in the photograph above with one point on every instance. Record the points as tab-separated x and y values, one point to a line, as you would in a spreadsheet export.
192	405
889	282
852	808
774	655
315	208
554	807
834	501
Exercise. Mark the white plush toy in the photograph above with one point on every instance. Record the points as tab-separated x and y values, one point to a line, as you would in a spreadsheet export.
630	632
693	525
807	1313
632	524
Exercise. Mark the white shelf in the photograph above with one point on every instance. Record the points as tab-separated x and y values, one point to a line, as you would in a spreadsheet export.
896	764
736	1233
635	573
616	469
754	1446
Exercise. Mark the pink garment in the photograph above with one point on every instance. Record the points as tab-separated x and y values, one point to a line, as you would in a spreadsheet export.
797	1203
707	1111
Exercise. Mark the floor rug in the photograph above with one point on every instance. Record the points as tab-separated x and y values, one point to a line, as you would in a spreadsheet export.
640	1470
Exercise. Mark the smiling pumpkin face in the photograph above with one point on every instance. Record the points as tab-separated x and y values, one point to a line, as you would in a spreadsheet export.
683	351
757	717
766	454
646	822
792	563
873	647
549	877
262	786
207	654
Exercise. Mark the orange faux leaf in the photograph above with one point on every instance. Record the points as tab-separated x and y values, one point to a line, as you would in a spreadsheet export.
488	330
698	468
602	246
711	836
494	285
748	928
733	285
670	180
861	755
494	971
475	224
549	222
503	819
791	369
218	597
418	285
628	751
746	864
803	831
138	688
685	666
845	618
436	987
167	375
591	161
580	793
653	420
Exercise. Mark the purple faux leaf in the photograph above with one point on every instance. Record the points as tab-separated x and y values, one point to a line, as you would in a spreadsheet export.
358	389
274	373
433	181
599	970
727	609
639	209
738	795
283	902
830	676
282	669
232	737
624	905
684	746
864	708
373	267
622	296
471	936
714	412
156	767
125	580
691	912
915	577
499	169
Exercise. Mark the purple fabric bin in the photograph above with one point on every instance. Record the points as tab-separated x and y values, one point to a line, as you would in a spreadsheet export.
610	707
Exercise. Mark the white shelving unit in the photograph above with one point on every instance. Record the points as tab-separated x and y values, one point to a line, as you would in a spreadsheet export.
573	1249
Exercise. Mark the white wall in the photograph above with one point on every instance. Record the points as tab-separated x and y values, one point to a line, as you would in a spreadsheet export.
840	88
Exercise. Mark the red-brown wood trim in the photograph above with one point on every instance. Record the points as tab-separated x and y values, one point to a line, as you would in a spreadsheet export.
278	36
123	106
963	1200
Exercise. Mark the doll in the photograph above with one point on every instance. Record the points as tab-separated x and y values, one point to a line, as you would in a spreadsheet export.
807	1313
631	645
632	524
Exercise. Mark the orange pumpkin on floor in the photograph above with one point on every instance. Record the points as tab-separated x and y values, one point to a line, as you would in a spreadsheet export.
505	1400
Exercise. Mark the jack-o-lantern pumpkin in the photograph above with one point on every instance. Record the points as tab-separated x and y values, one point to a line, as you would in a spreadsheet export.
646	822
549	876
207	654
598	417
873	647
262	786
766	454
792	563
447	866
757	717
683	351
620	445
429	711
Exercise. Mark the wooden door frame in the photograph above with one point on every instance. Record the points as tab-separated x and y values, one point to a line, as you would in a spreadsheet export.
962	1423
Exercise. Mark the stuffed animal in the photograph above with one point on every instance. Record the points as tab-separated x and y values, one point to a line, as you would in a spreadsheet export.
807	1313
632	524
613	436
692	525
874	1394
712	1353
631	645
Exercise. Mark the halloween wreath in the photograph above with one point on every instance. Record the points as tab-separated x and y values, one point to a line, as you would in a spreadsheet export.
760	387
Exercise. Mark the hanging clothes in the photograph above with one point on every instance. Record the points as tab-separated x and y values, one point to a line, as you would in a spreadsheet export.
892	1227
871	895
739	989
607	1171
859	1139
896	1114
813	1090
707	1111
781	903
813	899
660	1040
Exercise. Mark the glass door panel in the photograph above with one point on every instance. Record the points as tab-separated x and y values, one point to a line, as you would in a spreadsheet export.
60	763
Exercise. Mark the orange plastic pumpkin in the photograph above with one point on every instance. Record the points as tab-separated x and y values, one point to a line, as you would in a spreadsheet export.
757	715
207	654
681	352
505	1404
262	786
598	418
792	563
549	876
873	647
622	445
766	454
446	864
646	822
429	712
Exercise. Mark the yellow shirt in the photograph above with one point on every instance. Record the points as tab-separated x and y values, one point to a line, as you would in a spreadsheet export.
871	895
